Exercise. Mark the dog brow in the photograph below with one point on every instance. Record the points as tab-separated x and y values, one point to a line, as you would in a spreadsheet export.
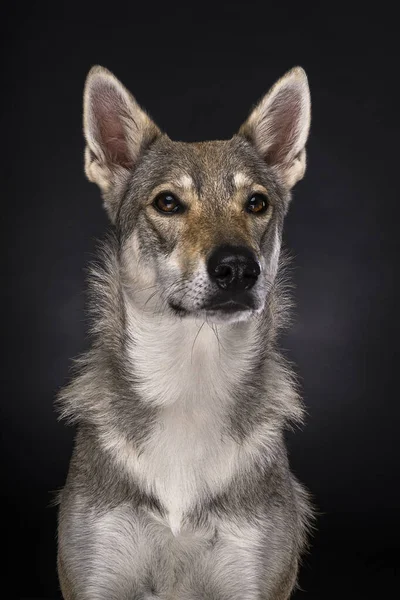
185	182
240	179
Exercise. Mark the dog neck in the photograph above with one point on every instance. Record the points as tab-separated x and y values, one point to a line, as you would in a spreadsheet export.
186	360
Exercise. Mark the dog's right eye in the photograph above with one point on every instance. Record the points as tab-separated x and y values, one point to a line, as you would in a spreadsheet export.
167	203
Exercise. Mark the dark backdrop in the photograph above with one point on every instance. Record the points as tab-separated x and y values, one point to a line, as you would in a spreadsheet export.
198	70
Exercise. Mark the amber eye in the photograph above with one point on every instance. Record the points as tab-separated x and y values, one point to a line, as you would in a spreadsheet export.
167	203
257	204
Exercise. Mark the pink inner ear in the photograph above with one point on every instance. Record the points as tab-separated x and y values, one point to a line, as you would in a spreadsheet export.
110	111
283	124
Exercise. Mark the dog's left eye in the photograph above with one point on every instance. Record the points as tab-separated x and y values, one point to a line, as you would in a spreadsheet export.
167	203
257	204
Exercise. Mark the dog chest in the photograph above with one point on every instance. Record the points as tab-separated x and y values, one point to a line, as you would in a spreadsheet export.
186	458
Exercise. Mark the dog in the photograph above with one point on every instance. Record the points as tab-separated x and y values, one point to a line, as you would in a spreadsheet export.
179	486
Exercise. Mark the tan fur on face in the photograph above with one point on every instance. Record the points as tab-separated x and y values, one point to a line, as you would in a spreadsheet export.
206	228
213	217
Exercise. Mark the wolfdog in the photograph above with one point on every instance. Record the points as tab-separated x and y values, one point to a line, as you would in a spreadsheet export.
179	486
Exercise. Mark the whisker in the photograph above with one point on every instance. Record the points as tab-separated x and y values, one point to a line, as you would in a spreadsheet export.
149	298
145	288
197	335
215	332
164	296
219	341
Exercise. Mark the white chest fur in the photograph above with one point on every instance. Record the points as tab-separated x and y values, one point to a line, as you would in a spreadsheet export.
189	373
187	457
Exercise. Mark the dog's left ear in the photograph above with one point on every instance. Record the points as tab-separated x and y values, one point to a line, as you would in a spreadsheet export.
278	127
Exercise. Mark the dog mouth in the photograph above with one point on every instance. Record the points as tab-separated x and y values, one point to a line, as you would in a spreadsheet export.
221	304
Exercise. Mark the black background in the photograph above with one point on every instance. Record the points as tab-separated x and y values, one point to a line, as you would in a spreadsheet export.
198	69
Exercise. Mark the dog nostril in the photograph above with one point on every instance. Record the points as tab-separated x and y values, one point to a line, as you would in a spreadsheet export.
250	274
223	272
248	281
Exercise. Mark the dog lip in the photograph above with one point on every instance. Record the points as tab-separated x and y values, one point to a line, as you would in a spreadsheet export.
220	303
229	306
177	308
228	303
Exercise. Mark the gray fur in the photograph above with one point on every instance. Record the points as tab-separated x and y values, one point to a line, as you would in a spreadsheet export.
179	486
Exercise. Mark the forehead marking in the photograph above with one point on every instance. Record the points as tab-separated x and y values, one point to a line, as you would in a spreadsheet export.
185	182
240	179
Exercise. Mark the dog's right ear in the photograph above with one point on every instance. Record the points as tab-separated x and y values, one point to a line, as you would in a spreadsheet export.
117	132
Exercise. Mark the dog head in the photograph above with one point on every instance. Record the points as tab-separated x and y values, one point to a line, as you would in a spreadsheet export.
200	223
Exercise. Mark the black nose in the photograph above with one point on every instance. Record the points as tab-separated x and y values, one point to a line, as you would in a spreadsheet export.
233	267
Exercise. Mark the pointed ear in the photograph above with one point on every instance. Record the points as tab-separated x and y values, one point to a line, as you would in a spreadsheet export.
117	131
278	127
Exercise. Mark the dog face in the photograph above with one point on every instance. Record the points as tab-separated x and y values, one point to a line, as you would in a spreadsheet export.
200	223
